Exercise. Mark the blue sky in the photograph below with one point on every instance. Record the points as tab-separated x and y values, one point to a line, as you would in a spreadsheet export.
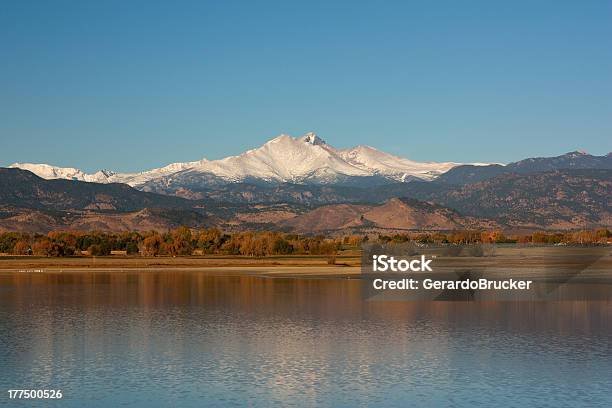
134	85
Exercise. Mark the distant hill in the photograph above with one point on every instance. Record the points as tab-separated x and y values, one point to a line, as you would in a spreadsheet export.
19	219
21	188
467	174
407	213
396	214
30	203
328	218
559	199
555	199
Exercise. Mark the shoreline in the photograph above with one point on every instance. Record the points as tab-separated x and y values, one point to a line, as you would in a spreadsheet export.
225	265
262	271
594	264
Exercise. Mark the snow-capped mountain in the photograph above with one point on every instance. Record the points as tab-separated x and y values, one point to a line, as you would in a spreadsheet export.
396	168
52	172
306	159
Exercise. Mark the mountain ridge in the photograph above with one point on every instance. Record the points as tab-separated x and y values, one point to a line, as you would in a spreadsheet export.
304	160
310	160
558	200
467	174
24	189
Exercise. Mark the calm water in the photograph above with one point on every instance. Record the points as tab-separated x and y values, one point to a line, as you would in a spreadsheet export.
191	339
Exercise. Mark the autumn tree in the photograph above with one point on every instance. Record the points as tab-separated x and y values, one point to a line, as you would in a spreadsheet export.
151	245
42	247
211	240
22	247
282	247
180	242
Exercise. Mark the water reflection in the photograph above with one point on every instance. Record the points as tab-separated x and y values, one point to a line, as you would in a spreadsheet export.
192	338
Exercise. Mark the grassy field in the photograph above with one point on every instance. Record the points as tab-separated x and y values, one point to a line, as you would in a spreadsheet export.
139	262
506	261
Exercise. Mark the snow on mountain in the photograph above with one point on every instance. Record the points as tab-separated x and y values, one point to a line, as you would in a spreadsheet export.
47	171
285	159
388	165
52	172
138	179
306	159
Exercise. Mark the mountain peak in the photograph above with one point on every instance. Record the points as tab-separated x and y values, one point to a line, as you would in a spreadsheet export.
279	138
577	153
313	139
106	172
304	160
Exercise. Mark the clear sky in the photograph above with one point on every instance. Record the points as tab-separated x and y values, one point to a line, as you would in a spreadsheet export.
130	85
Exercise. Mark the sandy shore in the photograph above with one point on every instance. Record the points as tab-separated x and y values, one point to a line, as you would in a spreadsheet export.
509	261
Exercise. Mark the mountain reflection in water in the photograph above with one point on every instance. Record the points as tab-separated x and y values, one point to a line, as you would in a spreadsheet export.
180	338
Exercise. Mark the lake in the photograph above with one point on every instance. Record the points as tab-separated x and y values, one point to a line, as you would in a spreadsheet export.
193	338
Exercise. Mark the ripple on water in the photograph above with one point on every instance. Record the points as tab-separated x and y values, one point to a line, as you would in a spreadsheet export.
160	339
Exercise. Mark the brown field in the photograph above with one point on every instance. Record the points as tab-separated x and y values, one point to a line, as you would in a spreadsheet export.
31	263
507	261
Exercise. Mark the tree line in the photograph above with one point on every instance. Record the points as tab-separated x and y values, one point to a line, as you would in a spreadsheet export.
184	241
181	241
598	236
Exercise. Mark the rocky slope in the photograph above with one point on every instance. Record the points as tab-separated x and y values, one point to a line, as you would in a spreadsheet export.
561	199
396	214
24	189
30	203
